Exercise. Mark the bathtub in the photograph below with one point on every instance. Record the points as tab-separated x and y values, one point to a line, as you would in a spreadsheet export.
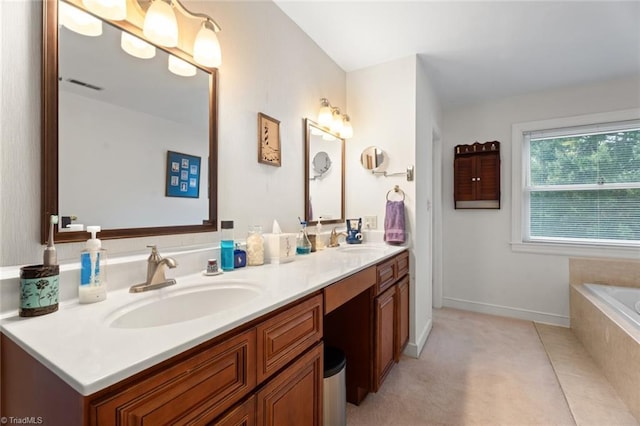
605	320
626	300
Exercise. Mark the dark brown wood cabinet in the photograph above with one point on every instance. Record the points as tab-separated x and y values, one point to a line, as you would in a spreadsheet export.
402	311
391	315
477	176
242	415
385	317
294	397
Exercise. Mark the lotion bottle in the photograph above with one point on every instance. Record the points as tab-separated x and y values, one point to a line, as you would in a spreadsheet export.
93	270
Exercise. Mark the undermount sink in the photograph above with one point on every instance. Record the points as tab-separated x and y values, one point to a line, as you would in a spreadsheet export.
357	249
182	305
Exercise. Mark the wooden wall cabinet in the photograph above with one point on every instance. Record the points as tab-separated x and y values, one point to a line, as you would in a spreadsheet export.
476	176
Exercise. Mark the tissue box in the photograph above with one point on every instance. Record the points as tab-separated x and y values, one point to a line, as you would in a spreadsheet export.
279	248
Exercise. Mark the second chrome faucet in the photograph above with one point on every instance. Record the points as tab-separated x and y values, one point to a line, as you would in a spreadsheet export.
156	278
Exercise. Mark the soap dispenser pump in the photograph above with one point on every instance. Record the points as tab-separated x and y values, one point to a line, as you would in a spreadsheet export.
93	270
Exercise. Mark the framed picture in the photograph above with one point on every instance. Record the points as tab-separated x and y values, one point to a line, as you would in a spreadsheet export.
183	175
268	140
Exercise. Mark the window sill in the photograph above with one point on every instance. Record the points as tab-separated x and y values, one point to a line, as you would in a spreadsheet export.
581	250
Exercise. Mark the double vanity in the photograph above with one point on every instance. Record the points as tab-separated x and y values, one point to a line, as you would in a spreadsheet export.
245	347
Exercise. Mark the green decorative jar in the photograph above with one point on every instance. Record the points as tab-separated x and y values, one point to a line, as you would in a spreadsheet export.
39	290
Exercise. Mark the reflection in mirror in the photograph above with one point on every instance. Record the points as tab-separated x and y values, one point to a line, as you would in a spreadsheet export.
373	158
324	171
117	116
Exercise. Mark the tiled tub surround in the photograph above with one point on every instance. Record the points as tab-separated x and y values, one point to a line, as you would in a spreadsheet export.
610	336
103	355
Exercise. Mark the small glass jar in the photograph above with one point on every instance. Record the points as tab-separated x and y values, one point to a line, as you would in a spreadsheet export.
255	246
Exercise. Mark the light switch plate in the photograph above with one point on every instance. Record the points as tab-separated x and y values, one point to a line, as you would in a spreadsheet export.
370	222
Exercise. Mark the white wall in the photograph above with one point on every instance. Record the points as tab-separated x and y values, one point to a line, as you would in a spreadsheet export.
385	102
269	65
481	272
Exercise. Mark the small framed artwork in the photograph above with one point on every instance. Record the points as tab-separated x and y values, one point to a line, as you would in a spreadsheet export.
268	140
183	175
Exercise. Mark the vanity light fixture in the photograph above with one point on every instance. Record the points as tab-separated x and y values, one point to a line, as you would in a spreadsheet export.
161	27
115	10
79	21
136	47
331	118
180	67
160	24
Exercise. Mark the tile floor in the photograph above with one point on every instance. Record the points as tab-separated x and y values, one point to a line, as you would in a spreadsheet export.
485	370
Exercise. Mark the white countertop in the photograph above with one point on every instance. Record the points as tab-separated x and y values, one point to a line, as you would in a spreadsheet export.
77	343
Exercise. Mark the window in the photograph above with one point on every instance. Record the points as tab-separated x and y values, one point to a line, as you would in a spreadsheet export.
579	185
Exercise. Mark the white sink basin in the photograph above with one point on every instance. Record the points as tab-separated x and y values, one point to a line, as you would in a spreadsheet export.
357	249
179	305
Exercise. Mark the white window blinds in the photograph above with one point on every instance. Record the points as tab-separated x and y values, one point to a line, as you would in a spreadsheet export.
583	184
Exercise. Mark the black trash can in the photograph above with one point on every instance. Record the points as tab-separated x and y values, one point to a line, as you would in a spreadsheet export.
334	387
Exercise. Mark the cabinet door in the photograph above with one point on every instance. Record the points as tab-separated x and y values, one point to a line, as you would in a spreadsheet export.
242	415
294	397
488	177
402	297
464	179
385	318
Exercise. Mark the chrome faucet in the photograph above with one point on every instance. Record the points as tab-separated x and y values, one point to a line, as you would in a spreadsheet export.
333	238
155	272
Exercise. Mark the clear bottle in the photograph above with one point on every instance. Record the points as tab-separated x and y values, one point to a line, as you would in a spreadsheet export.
93	270
255	246
303	245
226	245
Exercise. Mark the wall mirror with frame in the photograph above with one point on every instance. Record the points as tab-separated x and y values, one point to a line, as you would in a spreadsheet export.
324	175
109	120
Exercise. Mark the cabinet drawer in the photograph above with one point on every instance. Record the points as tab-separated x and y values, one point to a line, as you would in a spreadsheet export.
402	264
193	391
346	289
386	272
287	335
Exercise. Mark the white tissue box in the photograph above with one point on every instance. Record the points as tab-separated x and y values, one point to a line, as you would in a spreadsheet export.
279	248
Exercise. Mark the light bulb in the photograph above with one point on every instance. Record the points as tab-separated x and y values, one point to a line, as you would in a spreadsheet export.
110	9
136	47
336	124
206	48
347	129
180	67
79	21
325	115
160	24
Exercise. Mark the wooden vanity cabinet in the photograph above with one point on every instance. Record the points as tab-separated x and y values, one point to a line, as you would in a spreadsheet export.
391	315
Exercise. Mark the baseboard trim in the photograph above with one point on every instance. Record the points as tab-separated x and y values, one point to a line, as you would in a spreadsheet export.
506	311
414	349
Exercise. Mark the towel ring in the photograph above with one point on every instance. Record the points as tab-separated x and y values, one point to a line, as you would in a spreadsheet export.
395	189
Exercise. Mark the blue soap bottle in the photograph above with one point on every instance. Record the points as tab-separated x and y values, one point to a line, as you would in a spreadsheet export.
226	245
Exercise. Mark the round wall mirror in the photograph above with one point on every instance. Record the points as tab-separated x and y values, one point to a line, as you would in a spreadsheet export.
321	163
373	158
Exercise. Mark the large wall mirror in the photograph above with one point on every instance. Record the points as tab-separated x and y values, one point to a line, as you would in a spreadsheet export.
110	121
324	175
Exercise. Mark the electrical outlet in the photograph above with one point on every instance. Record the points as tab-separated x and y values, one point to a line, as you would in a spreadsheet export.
370	222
